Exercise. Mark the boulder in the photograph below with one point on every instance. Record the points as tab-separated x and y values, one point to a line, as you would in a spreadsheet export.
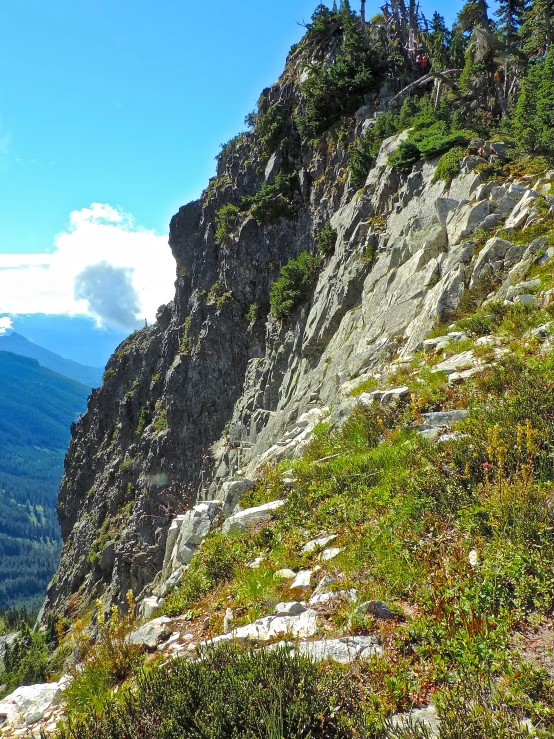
330	553
285	574
441	418
230	494
244	520
458	362
325	582
375	608
187	532
314	544
151	634
302	581
289	609
521	211
385	397
29	703
494	250
301	626
344	650
465	220
148	606
529	301
426	717
323	598
195	526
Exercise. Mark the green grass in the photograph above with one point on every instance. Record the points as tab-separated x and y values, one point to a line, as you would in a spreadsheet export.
408	512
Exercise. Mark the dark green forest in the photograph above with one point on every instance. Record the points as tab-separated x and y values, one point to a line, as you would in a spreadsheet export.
37	407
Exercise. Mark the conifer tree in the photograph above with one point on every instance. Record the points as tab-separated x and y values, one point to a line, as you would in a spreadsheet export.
545	104
536	29
473	14
525	115
510	16
439	41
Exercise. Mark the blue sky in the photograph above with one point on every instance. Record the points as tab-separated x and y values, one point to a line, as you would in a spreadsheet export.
124	104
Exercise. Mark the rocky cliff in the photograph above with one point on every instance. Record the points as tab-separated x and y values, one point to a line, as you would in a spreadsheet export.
218	388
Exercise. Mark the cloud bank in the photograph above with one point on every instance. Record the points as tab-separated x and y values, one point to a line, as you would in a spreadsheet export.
5	324
103	265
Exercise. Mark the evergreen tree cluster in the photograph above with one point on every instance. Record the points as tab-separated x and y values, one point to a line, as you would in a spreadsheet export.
500	69
37	407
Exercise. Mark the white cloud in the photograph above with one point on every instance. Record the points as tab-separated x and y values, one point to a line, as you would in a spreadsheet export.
97	237
5	325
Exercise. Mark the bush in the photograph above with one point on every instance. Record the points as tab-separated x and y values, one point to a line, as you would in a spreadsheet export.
338	90
273	201
364	150
271	127
217	294
326	240
144	420
225	221
230	693
405	156
293	285
104	663
448	166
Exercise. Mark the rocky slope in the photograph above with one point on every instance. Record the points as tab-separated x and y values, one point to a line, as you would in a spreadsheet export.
207	395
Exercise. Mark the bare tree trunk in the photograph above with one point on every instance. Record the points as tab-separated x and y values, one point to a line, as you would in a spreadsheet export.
362	13
438	83
548	24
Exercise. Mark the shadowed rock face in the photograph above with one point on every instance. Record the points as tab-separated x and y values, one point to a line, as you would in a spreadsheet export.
203	393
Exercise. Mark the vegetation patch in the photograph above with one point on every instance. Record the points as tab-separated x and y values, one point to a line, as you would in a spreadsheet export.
231	692
336	90
294	284
225	222
326	240
448	165
274	200
271	126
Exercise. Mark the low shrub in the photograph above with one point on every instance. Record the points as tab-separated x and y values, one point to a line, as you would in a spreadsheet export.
225	221
144	420
427	143
364	150
274	200
271	127
230	693
448	166
405	156
104	663
294	284
326	240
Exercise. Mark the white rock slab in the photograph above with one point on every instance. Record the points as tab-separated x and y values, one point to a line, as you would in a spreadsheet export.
320	543
330	553
29	703
152	633
289	609
302	626
302	581
344	650
246	519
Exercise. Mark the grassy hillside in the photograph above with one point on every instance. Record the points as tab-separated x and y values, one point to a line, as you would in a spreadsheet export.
37	407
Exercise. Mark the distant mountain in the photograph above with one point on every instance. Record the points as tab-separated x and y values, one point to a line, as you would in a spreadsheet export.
17	344
37	407
75	337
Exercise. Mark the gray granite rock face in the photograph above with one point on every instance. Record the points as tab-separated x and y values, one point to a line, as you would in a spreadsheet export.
206	397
